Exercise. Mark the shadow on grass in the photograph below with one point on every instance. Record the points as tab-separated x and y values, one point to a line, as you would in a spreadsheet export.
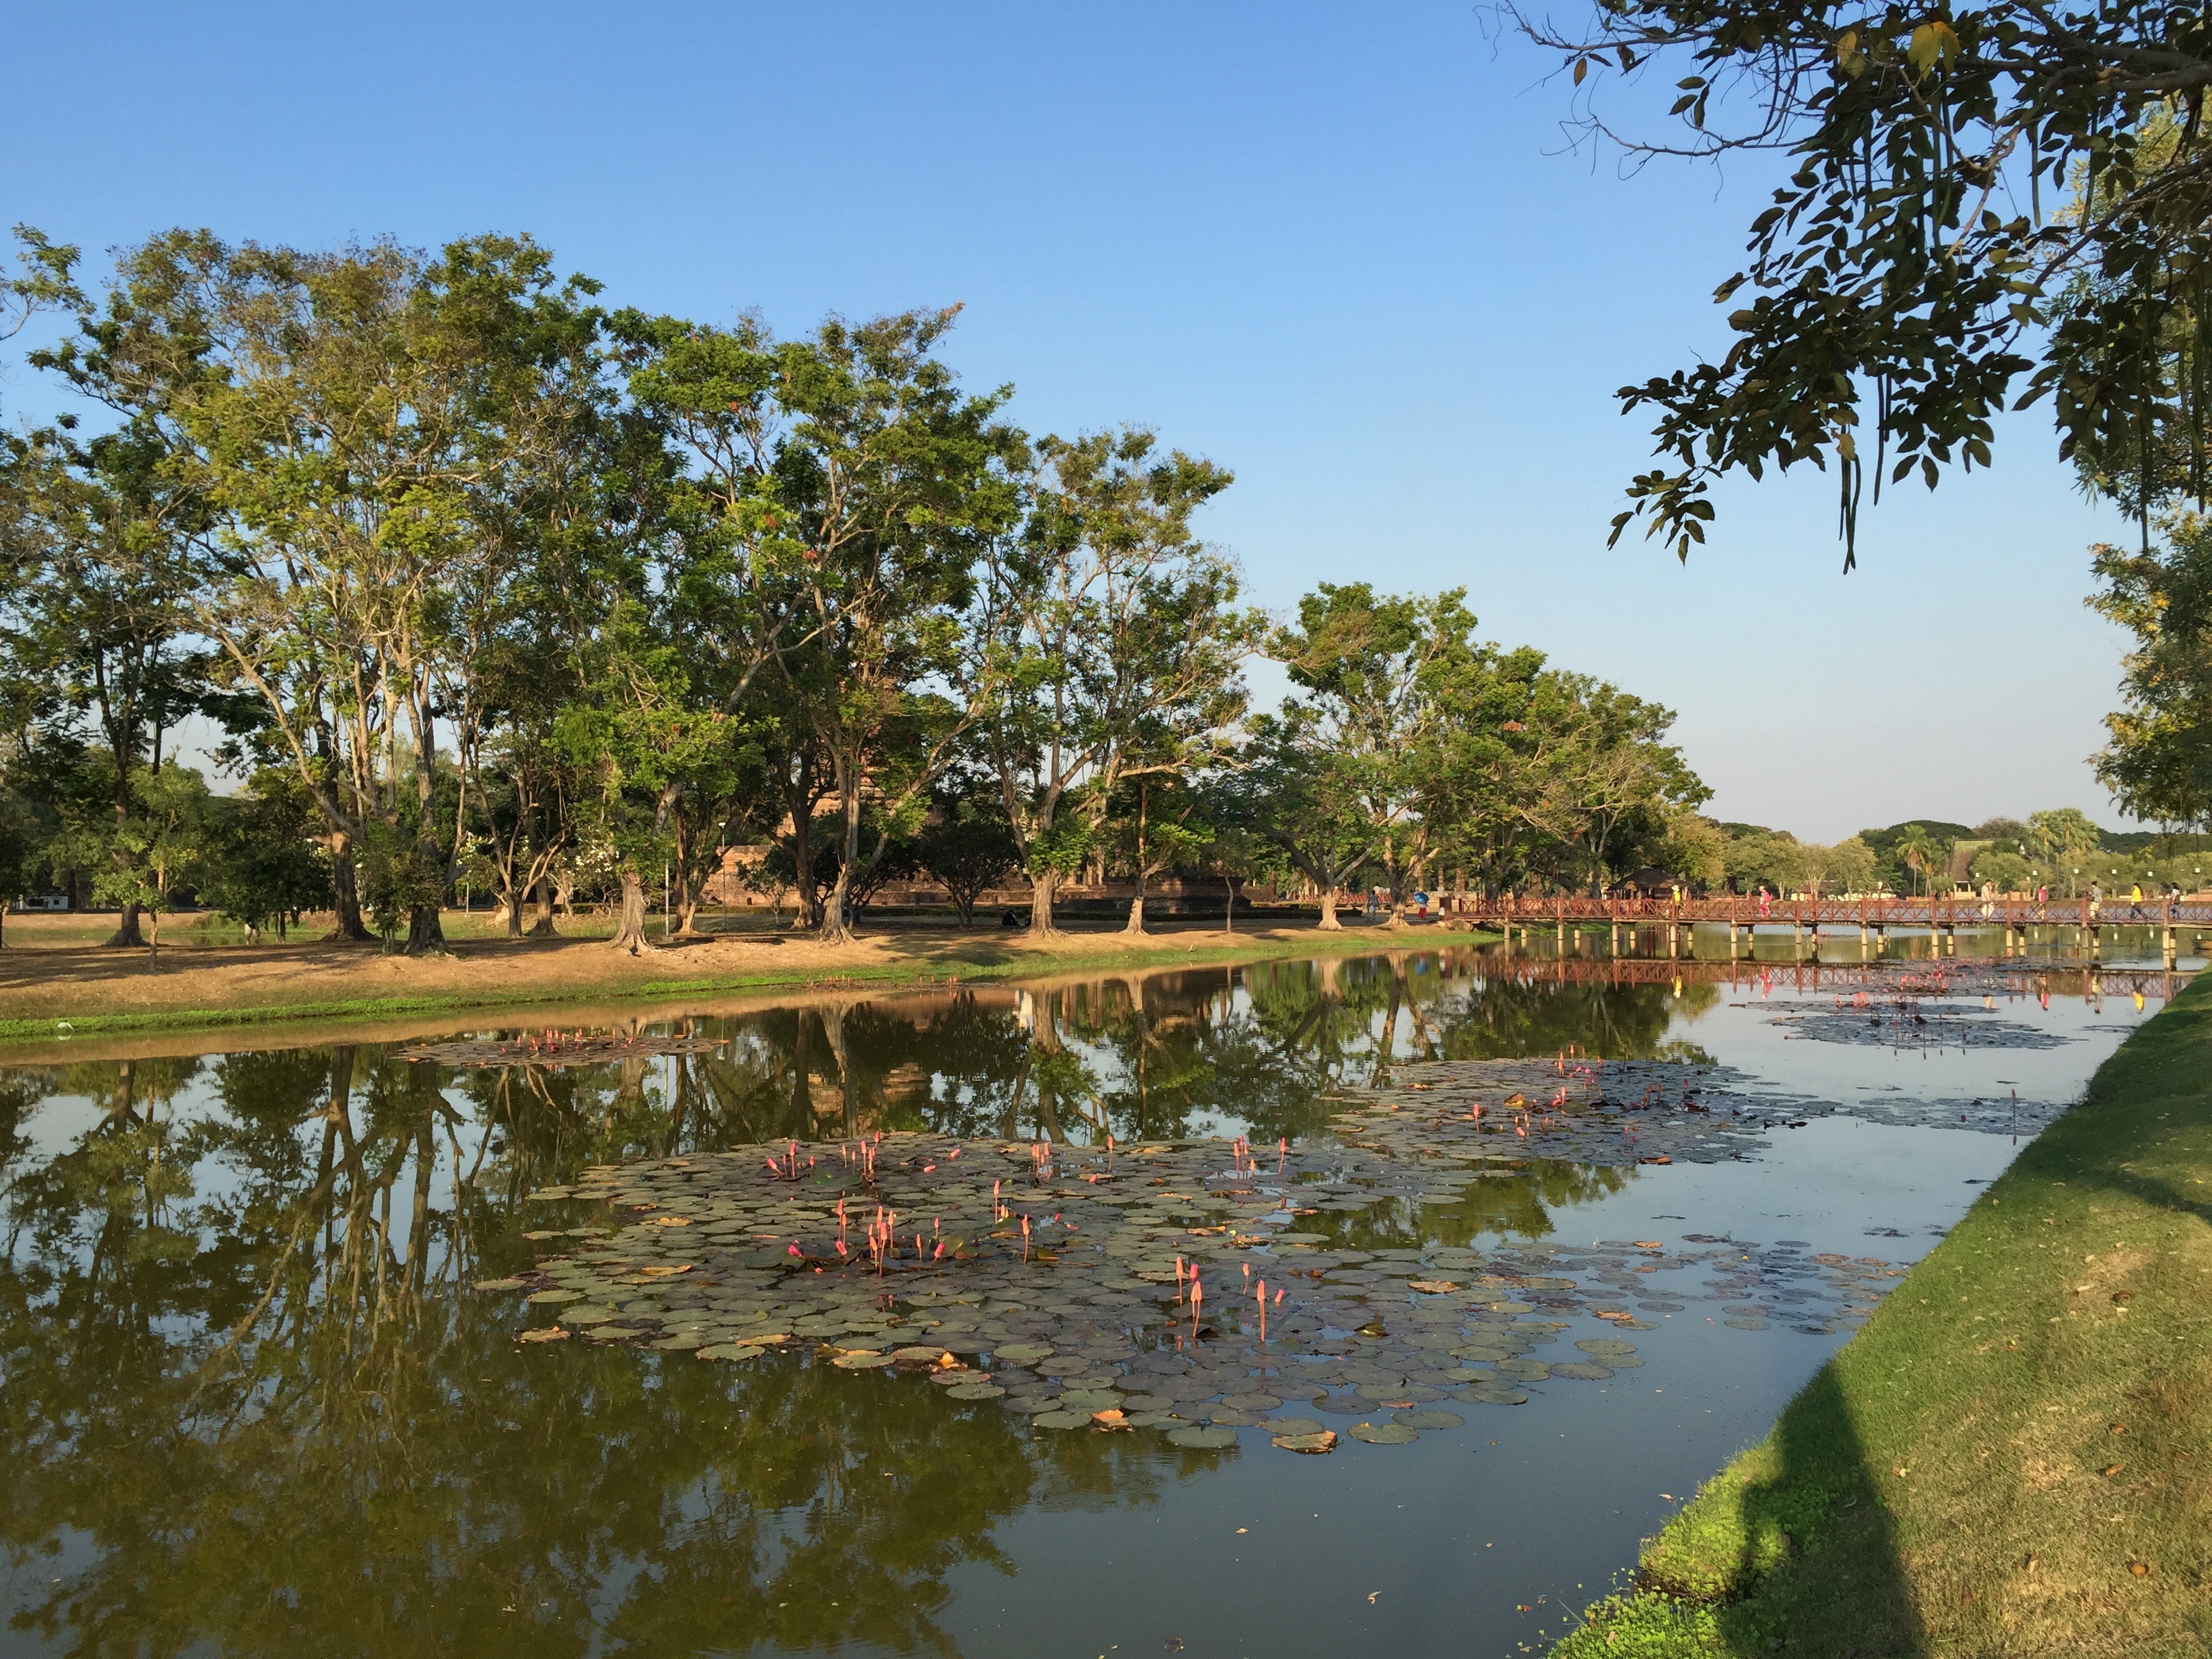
1792	1549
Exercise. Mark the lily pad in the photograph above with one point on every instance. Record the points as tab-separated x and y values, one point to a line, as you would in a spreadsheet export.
585	1315
1383	1434
1605	1345
547	1333
1495	1396
928	1356
500	1283
1428	1420
1209	1439
1068	1419
1321	1440
730	1351
1745	1324
1256	1401
861	1360
974	1391
1583	1373
553	1299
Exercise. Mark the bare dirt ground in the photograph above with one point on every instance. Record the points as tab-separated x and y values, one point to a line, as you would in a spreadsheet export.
49	972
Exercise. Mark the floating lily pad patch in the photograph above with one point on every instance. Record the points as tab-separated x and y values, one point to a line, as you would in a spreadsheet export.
1383	1434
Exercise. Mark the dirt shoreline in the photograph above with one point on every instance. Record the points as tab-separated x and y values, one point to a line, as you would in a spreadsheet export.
57	998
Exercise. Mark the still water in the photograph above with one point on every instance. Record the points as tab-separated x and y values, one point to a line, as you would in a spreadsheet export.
251	1402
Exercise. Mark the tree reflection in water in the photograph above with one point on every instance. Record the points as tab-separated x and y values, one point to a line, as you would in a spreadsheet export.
243	1402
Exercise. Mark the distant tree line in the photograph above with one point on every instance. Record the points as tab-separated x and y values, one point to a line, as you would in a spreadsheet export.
2061	850
486	585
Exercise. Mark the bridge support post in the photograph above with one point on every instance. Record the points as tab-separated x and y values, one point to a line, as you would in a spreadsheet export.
2166	943
1732	933
2095	942
1562	940
1614	942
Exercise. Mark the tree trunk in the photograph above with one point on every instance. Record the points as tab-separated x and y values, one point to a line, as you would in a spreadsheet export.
126	930
1136	924
1329	924
1228	915
345	892
836	925
543	927
426	931
837	914
629	936
1042	886
1396	917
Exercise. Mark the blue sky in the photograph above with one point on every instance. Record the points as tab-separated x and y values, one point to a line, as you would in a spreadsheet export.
1344	251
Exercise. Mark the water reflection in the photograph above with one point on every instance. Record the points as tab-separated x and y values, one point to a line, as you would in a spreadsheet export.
243	1404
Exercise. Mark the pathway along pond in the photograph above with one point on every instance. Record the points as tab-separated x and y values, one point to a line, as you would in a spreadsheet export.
789	1331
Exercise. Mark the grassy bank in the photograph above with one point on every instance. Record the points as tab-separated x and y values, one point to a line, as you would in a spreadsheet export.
493	979
2015	1456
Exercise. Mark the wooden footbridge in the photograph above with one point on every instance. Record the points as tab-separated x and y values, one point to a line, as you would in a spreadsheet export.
1940	916
1810	975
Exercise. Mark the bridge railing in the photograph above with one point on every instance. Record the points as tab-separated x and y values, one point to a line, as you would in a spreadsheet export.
1944	911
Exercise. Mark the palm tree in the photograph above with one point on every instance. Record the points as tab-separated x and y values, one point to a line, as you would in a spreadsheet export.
1919	852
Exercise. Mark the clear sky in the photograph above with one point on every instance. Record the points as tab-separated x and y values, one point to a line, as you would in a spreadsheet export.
1343	250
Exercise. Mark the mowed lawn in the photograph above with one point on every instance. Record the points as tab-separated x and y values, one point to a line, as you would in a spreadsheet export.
2015	1456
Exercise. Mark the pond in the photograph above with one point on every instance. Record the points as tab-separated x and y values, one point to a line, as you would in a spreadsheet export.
397	1346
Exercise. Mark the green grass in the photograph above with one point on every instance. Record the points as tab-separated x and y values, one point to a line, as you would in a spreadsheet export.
2022	1425
1014	964
1947	1484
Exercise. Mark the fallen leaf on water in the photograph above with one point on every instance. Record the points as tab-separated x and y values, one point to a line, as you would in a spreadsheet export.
1371	1594
550	1333
670	1221
1645	1244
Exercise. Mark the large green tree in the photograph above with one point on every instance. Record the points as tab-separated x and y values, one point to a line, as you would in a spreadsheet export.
1984	206
2158	761
102	557
1112	639
1385	683
837	491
